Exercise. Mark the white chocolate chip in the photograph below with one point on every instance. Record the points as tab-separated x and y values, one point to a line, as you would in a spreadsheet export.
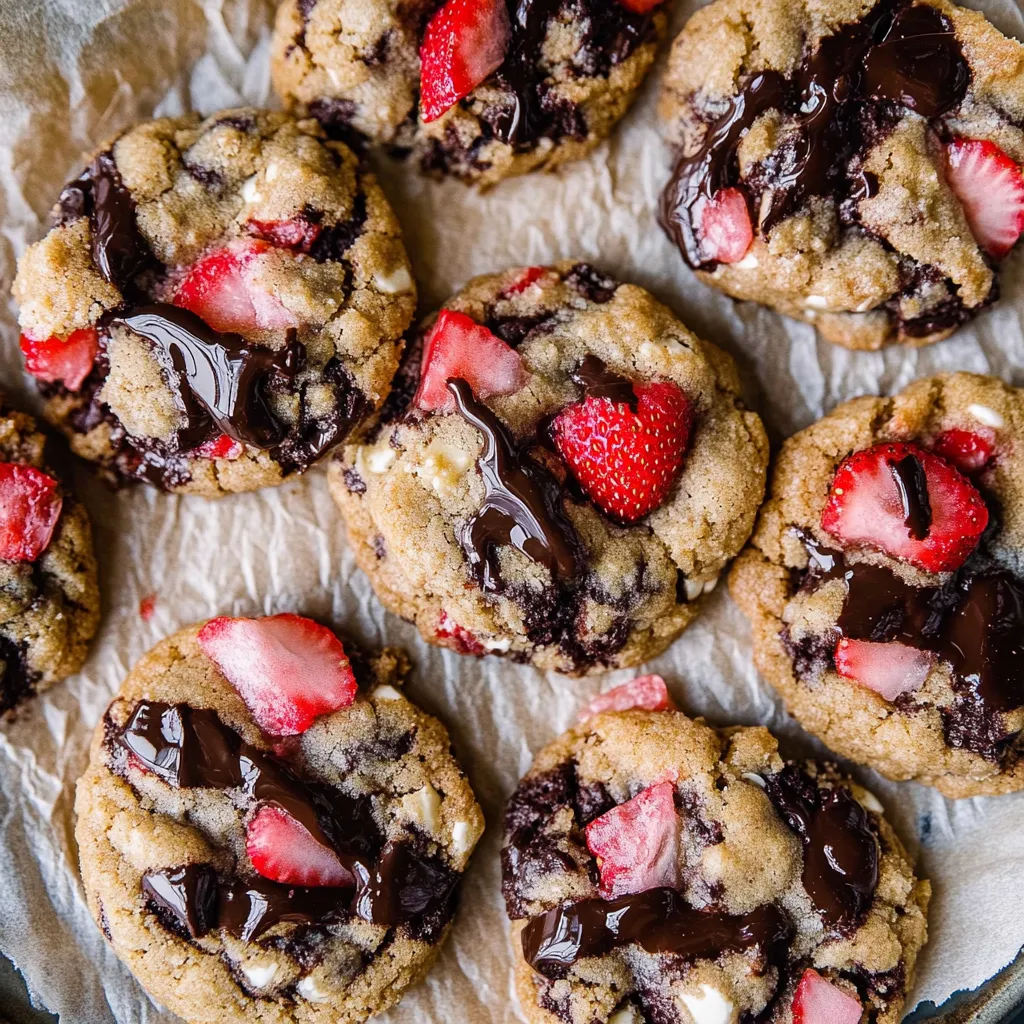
444	466
653	349
816	302
627	1015
249	193
423	807
272	171
710	1007
753	777
694	588
399	280
379	460
866	799
749	262
460	837
386	692
260	975
500	645
986	415
308	989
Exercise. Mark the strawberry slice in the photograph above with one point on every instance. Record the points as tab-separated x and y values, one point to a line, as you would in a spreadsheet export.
889	669
298	234
817	1001
147	605
627	462
287	669
908	503
220	447
221	289
528	276
463	43
65	360
458	347
968	450
462	640
726	232
990	188
637	843
284	850
648	693
641	6
29	509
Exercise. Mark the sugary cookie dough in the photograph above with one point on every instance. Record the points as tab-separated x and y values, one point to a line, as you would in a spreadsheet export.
218	302
885	583
495	528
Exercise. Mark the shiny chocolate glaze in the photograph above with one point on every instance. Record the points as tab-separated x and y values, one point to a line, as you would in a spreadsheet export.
598	381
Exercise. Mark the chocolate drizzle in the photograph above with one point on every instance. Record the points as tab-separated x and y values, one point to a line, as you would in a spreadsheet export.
659	921
522	503
598	381
912	484
395	884
840	849
898	54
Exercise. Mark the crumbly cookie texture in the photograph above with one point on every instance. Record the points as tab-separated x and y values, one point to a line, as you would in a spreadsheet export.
284	246
381	758
957	734
858	228
355	65
50	607
737	861
411	490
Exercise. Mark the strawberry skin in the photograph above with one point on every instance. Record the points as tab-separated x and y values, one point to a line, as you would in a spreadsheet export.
298	234
625	461
637	843
463	43
64	360
990	188
866	506
890	669
284	850
817	1001
29	509
968	450
461	640
289	670
647	693
220	447
726	232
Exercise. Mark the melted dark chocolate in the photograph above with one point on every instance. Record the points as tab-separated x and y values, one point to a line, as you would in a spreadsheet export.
598	381
840	849
912	484
522	503
658	920
188	894
899	54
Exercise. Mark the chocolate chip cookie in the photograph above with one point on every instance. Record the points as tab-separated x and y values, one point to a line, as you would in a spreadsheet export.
217	303
656	869
561	472
885	583
852	164
49	598
476	89
268	829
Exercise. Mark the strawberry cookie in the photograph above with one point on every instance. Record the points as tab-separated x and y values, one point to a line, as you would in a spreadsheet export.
217	303
560	473
658	870
854	164
49	599
268	830
885	583
476	89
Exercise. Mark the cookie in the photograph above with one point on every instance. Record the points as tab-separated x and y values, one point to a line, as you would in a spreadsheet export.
49	597
852	164
885	583
218	302
474	89
268	829
476	503
658	870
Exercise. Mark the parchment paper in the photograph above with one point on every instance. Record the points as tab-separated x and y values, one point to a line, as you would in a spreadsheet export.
74	71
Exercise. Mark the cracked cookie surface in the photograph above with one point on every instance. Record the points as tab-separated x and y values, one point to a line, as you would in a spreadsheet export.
542	573
569	73
218	302
219	859
913	670
841	162
658	870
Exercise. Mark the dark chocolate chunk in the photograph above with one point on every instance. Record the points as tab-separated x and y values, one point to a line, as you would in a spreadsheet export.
912	484
187	894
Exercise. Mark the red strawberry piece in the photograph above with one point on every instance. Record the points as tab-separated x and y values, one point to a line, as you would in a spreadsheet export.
876	500
726	232
463	43
220	447
627	461
818	1001
297	234
648	693
146	607
461	639
29	509
641	6
287	669
637	843
284	850
889	669
221	289
529	276
66	360
968	450
990	188
458	347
